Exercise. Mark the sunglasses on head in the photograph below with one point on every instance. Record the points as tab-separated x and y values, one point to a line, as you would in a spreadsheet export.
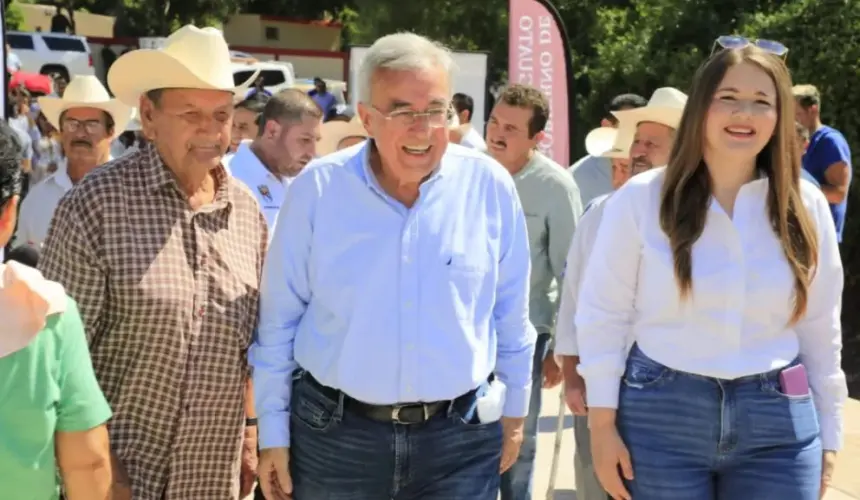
730	42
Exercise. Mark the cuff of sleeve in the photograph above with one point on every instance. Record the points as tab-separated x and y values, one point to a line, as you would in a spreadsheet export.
602	391
565	344
517	402
831	432
273	430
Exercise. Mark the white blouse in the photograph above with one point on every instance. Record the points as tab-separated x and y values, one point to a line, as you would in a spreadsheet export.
735	321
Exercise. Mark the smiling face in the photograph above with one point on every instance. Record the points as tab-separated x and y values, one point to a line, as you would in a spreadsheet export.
743	114
508	138
407	118
190	127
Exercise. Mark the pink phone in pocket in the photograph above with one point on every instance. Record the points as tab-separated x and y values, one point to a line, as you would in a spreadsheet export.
793	381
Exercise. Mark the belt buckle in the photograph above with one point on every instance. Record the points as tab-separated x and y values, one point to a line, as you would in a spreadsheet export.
395	413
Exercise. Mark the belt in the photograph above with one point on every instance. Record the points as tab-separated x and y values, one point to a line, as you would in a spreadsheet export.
401	413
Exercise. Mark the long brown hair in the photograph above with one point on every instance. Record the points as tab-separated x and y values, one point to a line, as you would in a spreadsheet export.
687	186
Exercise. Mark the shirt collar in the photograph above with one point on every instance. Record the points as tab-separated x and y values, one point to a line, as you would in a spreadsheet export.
61	176
369	177
245	158
157	176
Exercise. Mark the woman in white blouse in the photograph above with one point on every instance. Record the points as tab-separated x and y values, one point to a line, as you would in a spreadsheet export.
725	269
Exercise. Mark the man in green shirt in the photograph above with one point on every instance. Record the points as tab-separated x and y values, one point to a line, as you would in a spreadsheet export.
52	412
552	205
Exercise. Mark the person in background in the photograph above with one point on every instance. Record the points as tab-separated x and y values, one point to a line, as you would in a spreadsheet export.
713	292
396	284
13	62
642	140
324	99
465	108
284	143
337	135
591	173
60	84
802	145
259	88
552	205
52	411
88	120
827	157
47	151
163	251
24	125
246	120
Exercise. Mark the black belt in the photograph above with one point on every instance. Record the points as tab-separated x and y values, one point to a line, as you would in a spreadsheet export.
403	413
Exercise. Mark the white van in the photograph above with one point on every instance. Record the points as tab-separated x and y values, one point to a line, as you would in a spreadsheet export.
52	53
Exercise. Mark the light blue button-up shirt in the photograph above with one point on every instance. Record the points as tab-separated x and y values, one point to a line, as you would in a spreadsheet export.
391	304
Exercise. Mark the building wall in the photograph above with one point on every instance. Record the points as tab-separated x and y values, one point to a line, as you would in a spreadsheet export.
280	33
86	24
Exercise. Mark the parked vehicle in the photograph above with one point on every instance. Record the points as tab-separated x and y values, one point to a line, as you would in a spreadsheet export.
52	53
277	75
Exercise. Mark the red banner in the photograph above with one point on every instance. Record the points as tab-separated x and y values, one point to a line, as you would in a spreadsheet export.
538	56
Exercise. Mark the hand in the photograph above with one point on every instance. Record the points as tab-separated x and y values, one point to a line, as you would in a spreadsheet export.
274	474
574	394
574	386
828	463
608	454
551	371
248	474
512	439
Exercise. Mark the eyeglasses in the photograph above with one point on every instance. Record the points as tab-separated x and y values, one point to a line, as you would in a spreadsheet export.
436	117
731	42
90	126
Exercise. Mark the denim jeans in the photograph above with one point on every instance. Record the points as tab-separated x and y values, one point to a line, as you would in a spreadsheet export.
692	437
336	454
517	481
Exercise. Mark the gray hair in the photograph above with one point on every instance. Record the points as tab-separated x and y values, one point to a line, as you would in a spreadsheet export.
402	52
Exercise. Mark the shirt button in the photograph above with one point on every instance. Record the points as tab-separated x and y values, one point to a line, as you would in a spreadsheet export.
408	304
409	347
202	311
406	259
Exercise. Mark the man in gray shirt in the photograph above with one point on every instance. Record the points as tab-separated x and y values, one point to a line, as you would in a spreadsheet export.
552	205
592	173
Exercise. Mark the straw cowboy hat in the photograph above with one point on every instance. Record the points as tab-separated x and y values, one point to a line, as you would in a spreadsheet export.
608	142
333	132
192	58
665	107
85	92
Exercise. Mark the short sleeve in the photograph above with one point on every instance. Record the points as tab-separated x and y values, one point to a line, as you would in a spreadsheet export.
82	406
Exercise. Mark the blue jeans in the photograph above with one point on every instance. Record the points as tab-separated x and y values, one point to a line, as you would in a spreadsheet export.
699	438
336	454
517	481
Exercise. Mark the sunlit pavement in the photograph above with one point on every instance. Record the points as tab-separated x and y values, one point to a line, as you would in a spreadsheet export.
846	482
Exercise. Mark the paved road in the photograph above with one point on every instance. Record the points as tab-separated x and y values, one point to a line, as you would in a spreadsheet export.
847	481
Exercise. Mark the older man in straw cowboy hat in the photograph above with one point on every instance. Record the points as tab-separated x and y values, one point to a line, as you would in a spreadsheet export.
163	252
648	134
88	120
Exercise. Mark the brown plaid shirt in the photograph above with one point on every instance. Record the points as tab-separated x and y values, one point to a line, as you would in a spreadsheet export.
169	300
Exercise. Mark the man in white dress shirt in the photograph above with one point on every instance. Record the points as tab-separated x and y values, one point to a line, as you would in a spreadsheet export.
464	105
590	172
655	126
88	120
285	144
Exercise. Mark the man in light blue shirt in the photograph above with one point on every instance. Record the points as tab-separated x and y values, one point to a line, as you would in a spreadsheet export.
396	285
285	142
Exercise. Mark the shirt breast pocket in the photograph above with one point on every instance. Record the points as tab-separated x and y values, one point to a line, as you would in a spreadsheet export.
464	279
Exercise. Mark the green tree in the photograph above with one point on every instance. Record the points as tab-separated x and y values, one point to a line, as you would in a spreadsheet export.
14	17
